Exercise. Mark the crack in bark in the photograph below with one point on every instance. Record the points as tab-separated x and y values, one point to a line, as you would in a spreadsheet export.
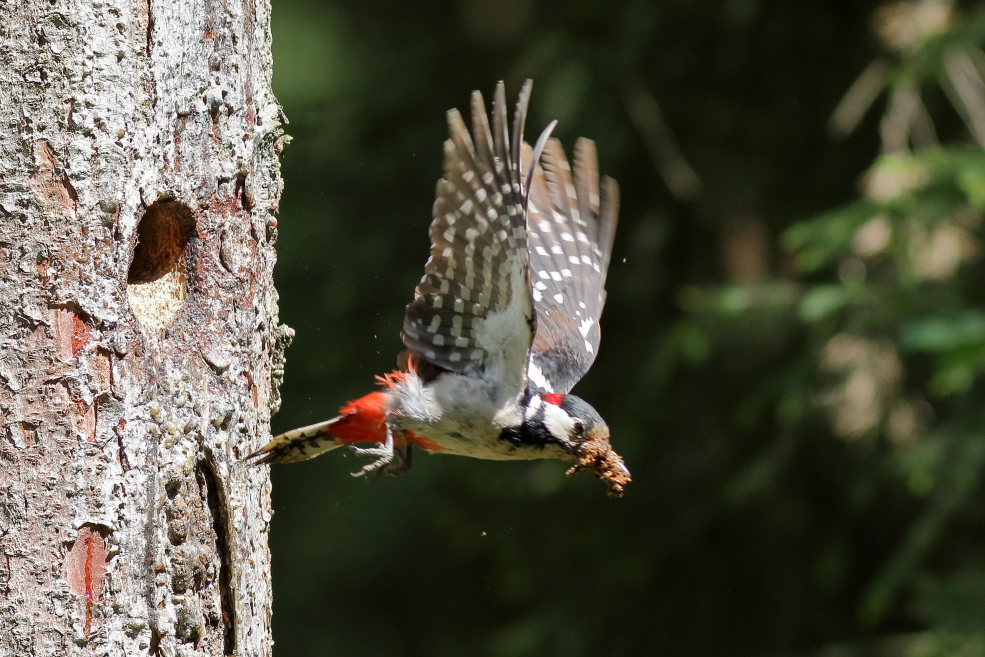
150	26
245	198
150	543
122	454
227	599
6	580
155	640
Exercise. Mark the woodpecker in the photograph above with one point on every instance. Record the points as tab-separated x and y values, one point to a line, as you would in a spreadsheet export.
505	320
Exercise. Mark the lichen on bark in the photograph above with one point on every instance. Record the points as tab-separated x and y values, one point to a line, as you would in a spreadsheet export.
126	525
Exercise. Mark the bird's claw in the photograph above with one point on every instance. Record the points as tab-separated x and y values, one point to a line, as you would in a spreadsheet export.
388	460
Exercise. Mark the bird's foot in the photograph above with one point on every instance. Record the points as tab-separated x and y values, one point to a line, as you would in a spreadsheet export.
388	460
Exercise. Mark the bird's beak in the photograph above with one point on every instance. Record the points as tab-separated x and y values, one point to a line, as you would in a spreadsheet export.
596	455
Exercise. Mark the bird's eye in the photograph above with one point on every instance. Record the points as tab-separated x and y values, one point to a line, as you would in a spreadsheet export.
579	428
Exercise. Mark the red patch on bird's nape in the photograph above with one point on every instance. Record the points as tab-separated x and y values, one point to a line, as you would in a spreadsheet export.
553	398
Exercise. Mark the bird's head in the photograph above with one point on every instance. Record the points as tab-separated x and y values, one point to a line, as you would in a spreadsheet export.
570	423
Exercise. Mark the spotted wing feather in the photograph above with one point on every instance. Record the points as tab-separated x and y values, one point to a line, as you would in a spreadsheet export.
571	227
478	265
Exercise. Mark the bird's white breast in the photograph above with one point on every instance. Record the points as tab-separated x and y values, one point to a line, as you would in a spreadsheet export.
461	414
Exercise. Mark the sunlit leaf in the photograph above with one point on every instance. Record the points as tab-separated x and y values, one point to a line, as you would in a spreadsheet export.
951	380
972	183
821	301
944	332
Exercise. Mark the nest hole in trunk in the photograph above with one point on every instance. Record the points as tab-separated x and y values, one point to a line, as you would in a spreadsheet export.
156	278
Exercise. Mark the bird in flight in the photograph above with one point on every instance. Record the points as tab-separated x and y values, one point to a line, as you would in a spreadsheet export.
505	320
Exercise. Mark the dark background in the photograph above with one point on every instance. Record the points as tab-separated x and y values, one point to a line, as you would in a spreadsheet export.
758	522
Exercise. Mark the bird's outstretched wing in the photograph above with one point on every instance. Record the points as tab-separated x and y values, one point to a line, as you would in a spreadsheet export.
571	225
472	309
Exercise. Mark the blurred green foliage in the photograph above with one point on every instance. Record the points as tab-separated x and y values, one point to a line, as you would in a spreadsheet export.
794	334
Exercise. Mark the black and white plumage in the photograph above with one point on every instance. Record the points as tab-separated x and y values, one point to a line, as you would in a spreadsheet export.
492	233
479	263
505	320
571	226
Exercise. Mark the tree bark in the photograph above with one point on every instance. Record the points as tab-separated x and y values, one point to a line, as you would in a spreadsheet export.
140	348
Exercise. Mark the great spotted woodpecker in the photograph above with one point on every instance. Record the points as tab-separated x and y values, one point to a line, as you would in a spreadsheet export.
505	320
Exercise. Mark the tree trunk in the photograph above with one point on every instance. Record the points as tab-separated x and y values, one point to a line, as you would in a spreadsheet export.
140	348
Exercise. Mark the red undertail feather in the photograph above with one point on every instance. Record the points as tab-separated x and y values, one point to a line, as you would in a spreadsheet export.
361	420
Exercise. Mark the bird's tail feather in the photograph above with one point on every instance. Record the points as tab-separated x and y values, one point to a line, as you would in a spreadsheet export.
298	444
